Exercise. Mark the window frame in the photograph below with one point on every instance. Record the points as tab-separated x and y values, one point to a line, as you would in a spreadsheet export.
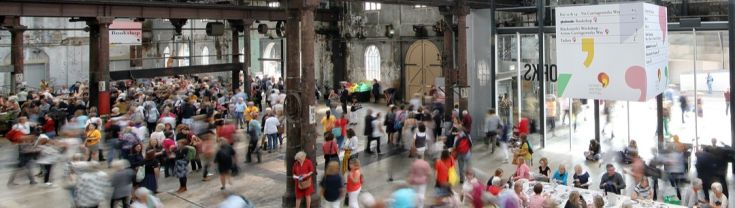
373	63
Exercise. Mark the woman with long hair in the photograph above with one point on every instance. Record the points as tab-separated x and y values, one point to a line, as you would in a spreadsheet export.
151	165
350	145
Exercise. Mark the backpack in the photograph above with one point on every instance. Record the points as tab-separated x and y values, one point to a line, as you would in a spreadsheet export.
398	124
464	145
151	115
191	153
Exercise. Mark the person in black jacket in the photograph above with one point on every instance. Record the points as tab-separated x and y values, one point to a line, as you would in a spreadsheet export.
187	111
376	90
369	129
344	97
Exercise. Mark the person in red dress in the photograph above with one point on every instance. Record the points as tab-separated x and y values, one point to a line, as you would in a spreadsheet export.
303	170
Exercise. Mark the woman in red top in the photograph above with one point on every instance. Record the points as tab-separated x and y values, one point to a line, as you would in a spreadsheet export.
354	183
341	123
49	126
442	167
302	174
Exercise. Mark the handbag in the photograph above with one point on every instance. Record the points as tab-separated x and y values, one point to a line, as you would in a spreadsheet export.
140	174
453	177
305	184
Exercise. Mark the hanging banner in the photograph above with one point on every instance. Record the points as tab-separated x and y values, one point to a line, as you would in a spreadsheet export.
125	31
612	52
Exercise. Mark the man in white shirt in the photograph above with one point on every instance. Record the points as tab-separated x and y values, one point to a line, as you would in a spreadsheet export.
273	98
271	132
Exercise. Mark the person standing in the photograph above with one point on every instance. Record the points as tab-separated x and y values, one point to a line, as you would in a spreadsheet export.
710	80
467	121
303	171
271	132
151	166
368	130
340	129
344	97
376	90
92	141
464	152
239	112
182	164
684	105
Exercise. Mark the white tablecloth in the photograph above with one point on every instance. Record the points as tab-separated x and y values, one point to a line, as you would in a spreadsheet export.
560	194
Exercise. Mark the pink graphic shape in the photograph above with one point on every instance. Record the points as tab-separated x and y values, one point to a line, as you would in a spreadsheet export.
663	22
635	77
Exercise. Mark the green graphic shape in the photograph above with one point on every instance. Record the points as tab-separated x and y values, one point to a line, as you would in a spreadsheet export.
562	83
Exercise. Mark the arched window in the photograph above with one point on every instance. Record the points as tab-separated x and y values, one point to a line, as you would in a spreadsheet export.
271	68
167	60
205	56
184	55
372	63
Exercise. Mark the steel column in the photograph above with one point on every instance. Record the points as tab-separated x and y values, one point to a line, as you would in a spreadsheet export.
731	48
99	63
541	73
461	11
246	55
293	130
659	121
16	51
236	56
448	69
308	79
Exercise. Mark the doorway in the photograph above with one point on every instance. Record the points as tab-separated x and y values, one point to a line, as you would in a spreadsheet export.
423	66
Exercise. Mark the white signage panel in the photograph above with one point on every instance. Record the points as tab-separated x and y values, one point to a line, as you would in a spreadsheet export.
124	31
612	52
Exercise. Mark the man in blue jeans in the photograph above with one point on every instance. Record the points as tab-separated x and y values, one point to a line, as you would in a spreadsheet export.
271	131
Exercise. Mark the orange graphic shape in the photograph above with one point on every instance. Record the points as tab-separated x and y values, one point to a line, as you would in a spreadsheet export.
604	79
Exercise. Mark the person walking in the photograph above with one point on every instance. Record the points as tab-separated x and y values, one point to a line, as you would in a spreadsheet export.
254	135
354	183
26	152
418	177
368	130
50	154
710	81
330	149
225	159
349	147
463	149
91	186
271	132
332	186
420	140
240	113
377	132
491	128
727	101
122	183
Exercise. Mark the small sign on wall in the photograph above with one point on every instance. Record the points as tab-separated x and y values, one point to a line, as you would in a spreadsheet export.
312	114
102	86
19	78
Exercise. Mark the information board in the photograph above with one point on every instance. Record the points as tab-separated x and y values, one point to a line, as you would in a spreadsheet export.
612	52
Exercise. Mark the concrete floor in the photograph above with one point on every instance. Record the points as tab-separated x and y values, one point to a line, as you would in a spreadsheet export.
264	183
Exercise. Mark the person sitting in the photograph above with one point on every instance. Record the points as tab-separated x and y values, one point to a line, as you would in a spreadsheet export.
544	170
627	153
560	176
522	171
538	198
642	191
575	200
717	199
612	181
598	202
498	174
581	178
593	153
496	187
694	196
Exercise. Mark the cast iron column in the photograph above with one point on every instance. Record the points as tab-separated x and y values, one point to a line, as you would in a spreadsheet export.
731	48
448	68
540	10
659	121
236	27
461	11
12	23
293	76
597	120
308	80
99	63
247	57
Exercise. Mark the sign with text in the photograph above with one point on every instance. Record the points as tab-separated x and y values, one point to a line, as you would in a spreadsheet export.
128	32
612	52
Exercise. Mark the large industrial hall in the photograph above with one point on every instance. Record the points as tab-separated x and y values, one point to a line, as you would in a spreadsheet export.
367	104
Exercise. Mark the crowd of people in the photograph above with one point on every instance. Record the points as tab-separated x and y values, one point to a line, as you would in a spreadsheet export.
176	126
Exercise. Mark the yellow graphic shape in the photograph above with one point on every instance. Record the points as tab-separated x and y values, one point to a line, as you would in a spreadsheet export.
588	45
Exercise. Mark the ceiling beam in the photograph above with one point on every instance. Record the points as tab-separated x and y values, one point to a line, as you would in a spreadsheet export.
143	9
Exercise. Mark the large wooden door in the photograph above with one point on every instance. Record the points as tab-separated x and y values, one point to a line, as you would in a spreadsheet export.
423	66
